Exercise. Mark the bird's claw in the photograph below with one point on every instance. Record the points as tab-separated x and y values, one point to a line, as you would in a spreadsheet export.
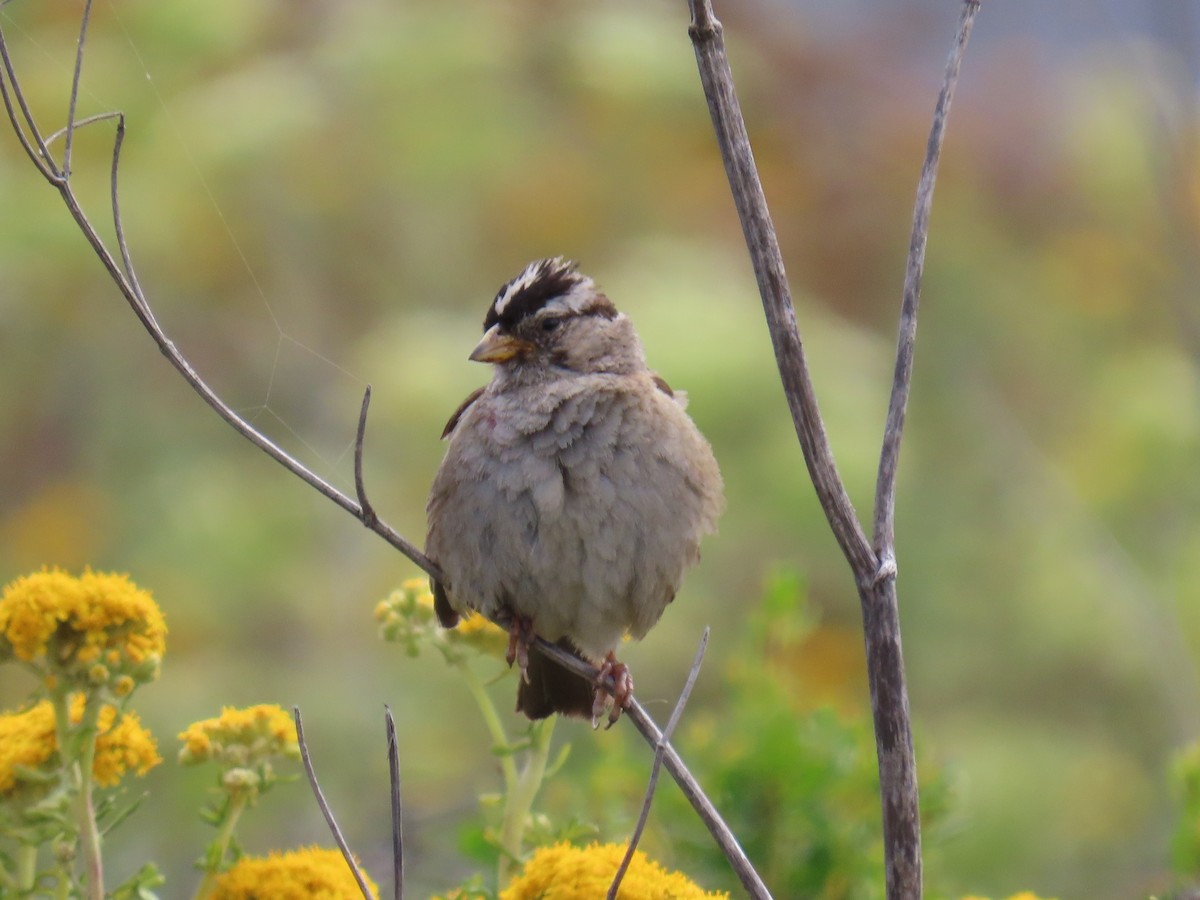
621	694
520	636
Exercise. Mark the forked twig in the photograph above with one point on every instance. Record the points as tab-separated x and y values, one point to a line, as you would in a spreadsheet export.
654	769
874	567
325	810
397	808
885	485
124	277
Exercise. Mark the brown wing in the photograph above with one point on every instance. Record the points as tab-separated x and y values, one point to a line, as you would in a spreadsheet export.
453	423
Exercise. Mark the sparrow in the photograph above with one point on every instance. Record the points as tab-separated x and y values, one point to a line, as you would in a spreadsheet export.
574	491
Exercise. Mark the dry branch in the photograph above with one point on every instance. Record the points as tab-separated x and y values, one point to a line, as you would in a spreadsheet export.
874	567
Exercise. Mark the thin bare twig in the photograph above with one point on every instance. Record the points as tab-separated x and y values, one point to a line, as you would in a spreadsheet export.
654	769
397	808
74	101
89	120
127	284
119	227
874	568
885	485
325	810
367	511
40	156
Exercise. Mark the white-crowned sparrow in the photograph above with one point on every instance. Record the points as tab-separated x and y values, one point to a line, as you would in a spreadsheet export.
574	491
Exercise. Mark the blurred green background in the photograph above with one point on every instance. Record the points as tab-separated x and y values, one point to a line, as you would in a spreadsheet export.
322	195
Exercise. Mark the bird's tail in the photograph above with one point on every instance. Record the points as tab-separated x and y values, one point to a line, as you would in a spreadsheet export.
552	689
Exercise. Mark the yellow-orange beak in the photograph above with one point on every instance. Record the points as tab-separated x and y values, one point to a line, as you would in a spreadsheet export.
497	347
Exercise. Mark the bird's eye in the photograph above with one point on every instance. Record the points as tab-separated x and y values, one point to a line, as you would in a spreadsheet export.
550	324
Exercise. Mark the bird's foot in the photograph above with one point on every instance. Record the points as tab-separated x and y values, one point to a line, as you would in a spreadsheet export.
621	694
520	636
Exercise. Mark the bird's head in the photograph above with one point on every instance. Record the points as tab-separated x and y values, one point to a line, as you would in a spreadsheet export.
552	316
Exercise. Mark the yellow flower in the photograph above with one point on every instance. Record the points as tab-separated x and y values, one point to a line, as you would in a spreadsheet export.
407	615
28	739
563	872
241	737
308	874
122	745
94	629
1024	895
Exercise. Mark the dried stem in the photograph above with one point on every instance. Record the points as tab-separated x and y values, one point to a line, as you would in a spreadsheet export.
74	100
874	568
325	810
124	277
654	769
885	486
759	232
367	511
397	807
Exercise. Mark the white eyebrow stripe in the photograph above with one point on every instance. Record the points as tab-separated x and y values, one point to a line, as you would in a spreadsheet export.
574	300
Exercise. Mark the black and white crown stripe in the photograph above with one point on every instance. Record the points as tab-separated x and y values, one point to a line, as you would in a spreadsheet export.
546	284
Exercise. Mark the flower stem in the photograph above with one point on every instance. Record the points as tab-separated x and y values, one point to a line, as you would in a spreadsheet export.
494	726
77	753
519	799
220	845
25	874
89	831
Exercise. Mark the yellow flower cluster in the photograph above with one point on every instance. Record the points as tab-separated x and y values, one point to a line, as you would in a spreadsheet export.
1024	895
407	616
29	739
241	737
564	872
98	630
308	874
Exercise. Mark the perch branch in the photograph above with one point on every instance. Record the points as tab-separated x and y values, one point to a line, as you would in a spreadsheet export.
654	769
325	810
124	277
873	567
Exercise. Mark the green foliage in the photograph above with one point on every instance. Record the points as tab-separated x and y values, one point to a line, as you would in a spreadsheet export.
1185	841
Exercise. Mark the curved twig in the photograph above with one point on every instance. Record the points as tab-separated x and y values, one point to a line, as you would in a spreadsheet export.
367	511
397	807
39	156
885	485
325	810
